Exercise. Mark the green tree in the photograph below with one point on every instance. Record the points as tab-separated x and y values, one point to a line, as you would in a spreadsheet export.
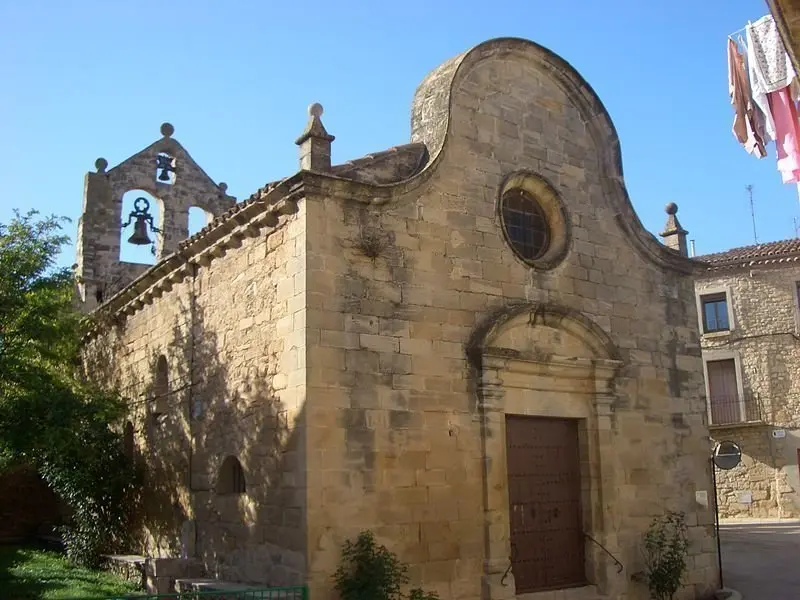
51	417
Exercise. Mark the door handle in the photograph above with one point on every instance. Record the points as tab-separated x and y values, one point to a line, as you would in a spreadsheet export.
510	564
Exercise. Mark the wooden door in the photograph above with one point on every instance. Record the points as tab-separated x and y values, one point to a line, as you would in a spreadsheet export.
544	489
723	389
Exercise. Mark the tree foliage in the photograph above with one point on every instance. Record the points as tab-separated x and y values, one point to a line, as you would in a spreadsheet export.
50	416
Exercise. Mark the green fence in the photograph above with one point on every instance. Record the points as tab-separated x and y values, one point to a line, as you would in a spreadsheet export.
299	592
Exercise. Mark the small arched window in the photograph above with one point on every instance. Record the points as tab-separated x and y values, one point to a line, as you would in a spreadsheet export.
231	477
127	440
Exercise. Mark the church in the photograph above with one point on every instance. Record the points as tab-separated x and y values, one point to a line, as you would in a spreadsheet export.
467	344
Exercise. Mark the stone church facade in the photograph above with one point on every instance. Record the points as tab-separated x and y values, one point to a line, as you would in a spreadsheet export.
749	319
467	344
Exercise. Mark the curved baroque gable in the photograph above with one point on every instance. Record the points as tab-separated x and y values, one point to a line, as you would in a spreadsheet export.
439	92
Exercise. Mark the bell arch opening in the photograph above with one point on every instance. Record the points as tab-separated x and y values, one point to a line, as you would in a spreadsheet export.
142	222
198	218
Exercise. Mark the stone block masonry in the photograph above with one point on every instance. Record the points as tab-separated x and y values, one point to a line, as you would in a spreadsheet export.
233	345
356	338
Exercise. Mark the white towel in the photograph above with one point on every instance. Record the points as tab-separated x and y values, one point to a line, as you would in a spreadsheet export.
768	64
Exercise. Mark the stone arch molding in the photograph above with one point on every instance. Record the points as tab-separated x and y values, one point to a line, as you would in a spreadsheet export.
545	339
543	360
431	124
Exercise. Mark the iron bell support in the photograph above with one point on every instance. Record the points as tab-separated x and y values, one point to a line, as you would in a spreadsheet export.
141	212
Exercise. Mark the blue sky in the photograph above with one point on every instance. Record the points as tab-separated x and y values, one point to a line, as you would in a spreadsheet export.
87	79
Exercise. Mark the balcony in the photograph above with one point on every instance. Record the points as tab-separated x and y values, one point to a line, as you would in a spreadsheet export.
734	410
740	409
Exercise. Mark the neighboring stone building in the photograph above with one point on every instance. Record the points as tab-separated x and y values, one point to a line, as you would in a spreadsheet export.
467	344
749	319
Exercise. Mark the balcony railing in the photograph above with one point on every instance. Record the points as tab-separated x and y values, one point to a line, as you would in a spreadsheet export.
729	410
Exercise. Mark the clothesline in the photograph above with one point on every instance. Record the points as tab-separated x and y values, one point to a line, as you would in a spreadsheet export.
740	39
759	84
738	31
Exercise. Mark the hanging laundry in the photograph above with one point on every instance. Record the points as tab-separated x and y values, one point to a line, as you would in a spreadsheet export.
748	120
769	66
787	134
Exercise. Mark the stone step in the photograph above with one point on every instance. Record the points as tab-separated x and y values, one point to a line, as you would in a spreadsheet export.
130	567
587	592
130	559
208	585
156	574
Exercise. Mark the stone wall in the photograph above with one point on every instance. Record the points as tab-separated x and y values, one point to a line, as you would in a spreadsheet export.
232	334
764	341
394	432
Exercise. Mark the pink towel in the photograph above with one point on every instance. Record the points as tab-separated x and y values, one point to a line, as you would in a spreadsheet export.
787	134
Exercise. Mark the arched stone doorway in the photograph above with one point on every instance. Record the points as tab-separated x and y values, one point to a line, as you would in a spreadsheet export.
546	377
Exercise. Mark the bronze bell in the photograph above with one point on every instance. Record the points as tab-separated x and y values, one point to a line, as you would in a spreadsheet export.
139	236
141	212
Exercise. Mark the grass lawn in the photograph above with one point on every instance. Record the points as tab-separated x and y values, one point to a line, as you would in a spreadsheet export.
30	574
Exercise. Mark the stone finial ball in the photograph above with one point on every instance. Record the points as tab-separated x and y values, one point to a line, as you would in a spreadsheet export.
167	129
223	186
671	208
315	110
101	164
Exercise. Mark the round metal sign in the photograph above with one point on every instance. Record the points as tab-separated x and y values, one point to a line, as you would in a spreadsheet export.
727	455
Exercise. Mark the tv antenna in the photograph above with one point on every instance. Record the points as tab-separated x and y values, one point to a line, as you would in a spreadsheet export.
749	189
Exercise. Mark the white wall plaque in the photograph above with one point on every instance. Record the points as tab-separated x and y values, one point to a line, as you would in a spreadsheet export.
701	497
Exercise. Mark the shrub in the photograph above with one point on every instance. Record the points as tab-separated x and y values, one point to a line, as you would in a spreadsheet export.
665	547
371	572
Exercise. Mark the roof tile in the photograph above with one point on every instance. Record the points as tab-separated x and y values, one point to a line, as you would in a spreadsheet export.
753	255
